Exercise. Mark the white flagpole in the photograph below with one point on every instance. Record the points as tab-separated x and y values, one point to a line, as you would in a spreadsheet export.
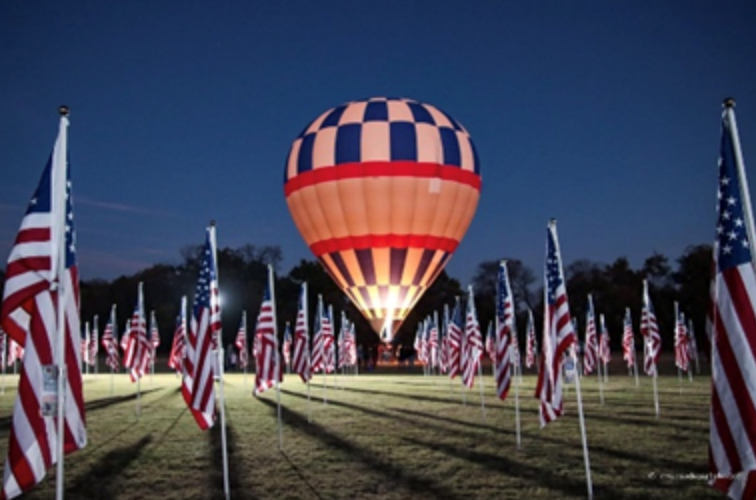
586	459
87	340
140	299
307	347
4	361
600	381
115	341
271	284
482	396
219	363
517	408
96	333
729	104
635	365
246	346
58	261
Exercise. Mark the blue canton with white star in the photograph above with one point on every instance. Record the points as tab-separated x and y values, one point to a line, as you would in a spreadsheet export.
733	248
206	277
553	276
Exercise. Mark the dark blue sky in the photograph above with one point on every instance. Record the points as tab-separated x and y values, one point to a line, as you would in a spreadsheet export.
605	115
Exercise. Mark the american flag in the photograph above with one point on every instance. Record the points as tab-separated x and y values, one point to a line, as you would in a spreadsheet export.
531	346
318	341
454	332
241	342
124	344
351	342
504	327
329	343
432	342
472	349
591	348
178	345
15	352
682	353
94	341
628	340
85	344
692	342
301	357
44	254
650	332
489	345
605	352
286	346
154	337
342	341
267	363
558	332
443	352
201	358
137	356
732	440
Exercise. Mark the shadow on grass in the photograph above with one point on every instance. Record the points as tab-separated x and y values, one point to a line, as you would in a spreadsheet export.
397	475
101	481
542	476
302	477
99	404
215	477
412	397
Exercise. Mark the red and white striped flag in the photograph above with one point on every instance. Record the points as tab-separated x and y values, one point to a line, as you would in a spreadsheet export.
472	347
286	346
267	362
650	332
15	352
531	347
94	341
682	353
110	342
41	276
329	341
443	352
241	342
454	333
732	439
432	342
154	337
178	345
301	357
558	332
490	342
318	341
342	341
605	352
198	387
591	347
85	344
628	340
504	327
138	349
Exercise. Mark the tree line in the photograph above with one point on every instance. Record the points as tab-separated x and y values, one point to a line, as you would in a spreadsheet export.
242	274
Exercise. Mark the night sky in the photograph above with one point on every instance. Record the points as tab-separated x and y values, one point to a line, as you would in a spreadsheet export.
605	115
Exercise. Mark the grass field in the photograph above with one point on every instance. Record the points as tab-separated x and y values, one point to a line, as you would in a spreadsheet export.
385	437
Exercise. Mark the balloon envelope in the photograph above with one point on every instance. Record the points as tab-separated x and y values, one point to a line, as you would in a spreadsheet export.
382	191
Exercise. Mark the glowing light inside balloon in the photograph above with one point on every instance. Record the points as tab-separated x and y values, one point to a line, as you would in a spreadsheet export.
382	191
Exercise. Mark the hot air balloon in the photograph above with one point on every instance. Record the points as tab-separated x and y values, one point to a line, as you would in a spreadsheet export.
382	191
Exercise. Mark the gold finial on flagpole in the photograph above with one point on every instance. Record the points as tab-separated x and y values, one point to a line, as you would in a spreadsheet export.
729	102
63	110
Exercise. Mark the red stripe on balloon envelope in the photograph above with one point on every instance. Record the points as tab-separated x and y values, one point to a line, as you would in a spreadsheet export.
369	241
382	169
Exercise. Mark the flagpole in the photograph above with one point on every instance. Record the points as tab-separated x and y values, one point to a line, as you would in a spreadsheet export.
219	361
305	304
517	408
584	437
59	179
140	300
600	383
277	375
246	346
482	396
635	365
